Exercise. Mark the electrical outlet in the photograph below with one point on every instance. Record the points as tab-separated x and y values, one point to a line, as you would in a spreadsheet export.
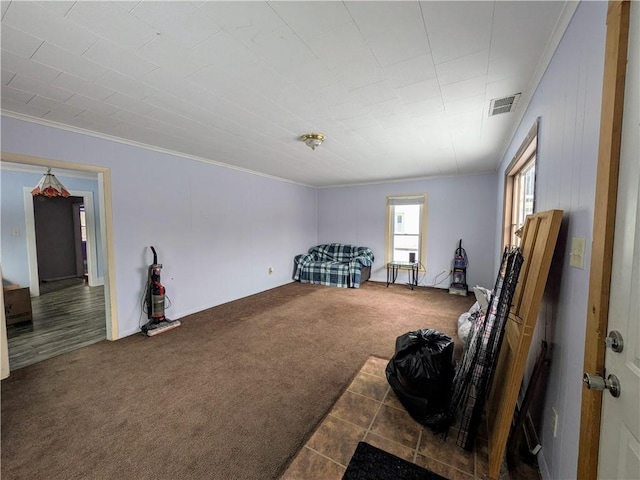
554	422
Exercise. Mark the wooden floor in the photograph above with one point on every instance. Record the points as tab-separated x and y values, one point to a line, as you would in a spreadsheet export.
63	320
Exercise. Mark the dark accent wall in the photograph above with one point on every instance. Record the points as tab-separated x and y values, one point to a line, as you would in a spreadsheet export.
55	237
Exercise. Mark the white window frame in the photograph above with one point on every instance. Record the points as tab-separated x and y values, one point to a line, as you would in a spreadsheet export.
415	199
523	160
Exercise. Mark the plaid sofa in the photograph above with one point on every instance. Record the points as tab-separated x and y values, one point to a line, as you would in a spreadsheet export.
335	265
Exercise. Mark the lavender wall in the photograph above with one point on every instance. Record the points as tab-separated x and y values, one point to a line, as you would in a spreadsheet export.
216	230
568	104
461	207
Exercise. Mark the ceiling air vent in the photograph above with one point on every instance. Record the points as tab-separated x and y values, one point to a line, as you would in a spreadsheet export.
503	105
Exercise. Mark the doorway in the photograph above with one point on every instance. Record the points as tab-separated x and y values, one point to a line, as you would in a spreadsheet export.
67	310
98	274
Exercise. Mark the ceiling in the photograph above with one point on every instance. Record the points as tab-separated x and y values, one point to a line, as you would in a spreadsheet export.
400	89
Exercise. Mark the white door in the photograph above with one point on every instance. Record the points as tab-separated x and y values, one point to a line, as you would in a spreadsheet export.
619	456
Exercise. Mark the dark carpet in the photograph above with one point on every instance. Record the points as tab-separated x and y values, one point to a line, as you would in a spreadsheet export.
232	394
371	463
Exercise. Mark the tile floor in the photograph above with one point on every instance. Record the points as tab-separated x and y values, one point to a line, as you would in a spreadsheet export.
369	411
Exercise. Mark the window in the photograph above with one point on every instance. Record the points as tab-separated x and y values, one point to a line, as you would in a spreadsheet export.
406	227
83	224
520	182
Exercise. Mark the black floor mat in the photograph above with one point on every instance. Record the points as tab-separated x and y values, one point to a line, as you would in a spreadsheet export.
371	463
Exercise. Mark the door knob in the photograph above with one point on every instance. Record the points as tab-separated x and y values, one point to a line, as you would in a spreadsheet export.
596	382
614	341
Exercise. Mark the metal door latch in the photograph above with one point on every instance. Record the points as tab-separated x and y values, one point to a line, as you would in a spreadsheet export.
596	382
614	341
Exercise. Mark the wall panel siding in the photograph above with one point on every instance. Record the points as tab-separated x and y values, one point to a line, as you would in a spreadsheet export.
568	103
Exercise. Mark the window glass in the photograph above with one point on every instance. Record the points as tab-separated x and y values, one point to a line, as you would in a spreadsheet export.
406	228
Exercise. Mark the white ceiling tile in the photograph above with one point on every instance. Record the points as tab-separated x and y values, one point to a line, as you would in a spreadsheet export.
63	117
334	94
23	108
162	51
505	67
94	106
425	107
126	85
7	76
28	68
388	107
393	46
464	89
182	21
59	8
463	68
282	49
127	6
146	122
66	61
246	21
411	71
40	88
128	103
94	119
19	43
225	52
470	104
419	91
82	86
49	104
373	94
523	27
310	75
346	110
470	20
359	73
5	6
360	121
163	79
340	46
169	103
311	19
214	80
375	17
56	30
505	87
115	58
16	95
110	22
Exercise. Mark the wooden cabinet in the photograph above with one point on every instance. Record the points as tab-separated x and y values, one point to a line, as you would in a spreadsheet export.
17	304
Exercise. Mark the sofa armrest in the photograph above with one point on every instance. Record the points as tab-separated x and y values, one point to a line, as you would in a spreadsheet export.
300	261
364	261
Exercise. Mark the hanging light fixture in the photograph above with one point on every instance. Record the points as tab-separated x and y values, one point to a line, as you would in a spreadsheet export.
49	186
313	140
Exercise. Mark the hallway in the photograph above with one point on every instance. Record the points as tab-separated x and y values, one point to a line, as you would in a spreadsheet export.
63	320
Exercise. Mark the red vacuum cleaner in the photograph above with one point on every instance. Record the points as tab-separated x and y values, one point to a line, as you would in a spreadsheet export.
155	296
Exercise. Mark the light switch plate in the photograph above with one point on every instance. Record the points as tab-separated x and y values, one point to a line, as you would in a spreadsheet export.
576	257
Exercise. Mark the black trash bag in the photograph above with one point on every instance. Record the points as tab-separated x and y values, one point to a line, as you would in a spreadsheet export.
421	374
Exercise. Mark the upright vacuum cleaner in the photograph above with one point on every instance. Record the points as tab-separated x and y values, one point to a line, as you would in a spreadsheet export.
458	284
155	302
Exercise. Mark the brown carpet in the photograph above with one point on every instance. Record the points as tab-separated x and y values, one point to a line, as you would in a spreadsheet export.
232	394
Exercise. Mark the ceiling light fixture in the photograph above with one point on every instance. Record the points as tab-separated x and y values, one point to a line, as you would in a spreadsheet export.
313	140
49	186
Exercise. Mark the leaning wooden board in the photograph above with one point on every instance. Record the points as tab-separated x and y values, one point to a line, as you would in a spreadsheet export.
538	244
